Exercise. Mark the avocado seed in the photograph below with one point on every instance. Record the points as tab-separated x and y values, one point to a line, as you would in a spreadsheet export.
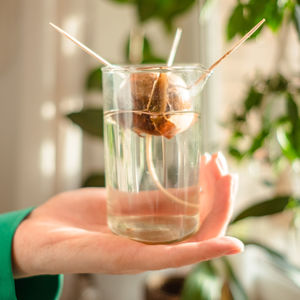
158	103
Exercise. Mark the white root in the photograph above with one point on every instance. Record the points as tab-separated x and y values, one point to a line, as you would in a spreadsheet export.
153	174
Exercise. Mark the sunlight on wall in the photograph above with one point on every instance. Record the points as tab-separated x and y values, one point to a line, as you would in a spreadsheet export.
70	104
48	110
71	25
47	158
72	152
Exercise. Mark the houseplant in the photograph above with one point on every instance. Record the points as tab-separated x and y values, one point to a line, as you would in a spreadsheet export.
281	132
275	142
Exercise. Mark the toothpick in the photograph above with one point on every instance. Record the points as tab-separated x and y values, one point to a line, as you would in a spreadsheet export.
174	47
238	44
234	48
83	47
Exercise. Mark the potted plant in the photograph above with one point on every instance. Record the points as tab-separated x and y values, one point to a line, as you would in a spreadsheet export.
276	142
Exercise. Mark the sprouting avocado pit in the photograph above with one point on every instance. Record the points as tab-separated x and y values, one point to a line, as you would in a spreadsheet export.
157	100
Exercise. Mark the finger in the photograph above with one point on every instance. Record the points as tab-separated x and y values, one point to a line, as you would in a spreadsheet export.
217	220
218	165
205	158
174	256
222	163
214	168
207	184
204	170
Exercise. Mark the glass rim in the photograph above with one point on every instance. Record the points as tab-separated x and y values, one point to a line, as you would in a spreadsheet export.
145	68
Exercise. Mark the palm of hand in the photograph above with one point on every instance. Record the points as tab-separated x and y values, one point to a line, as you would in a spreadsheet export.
69	233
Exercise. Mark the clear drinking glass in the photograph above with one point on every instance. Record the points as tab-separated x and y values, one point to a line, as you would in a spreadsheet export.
152	140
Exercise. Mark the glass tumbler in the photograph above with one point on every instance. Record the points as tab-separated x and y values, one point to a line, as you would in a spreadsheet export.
152	141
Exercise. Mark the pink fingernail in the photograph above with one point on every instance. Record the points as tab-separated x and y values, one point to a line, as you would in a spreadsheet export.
206	157
222	164
232	252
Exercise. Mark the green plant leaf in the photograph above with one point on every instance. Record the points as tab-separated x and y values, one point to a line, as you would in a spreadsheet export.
277	83
236	22
234	152
288	130
94	80
94	180
268	250
237	135
258	141
147	9
235	286
285	143
203	283
90	120
293	113
153	59
239	118
274	11
166	10
172	9
271	10
246	14
291	271
264	208
149	55
297	18
254	99
147	48
124	1
292	110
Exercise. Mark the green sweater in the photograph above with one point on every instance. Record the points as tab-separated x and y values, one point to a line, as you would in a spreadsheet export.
46	287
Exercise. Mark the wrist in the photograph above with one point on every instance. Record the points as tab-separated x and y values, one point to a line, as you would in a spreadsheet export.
20	250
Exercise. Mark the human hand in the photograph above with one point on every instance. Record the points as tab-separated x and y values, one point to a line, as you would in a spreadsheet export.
69	233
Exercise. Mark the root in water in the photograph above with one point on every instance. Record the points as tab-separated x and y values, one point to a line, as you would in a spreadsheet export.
155	178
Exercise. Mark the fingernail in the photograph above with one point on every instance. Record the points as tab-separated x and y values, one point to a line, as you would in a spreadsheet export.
233	251
222	164
206	157
238	246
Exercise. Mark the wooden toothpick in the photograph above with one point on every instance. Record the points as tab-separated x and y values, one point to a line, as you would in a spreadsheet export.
174	47
83	47
234	48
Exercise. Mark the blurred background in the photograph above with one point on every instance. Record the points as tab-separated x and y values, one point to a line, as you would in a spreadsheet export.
51	111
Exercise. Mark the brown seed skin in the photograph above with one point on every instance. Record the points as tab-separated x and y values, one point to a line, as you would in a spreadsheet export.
154	95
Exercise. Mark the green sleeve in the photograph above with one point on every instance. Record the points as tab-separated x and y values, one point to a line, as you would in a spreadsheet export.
33	288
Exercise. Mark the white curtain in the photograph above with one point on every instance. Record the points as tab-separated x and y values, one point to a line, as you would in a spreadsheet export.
41	80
